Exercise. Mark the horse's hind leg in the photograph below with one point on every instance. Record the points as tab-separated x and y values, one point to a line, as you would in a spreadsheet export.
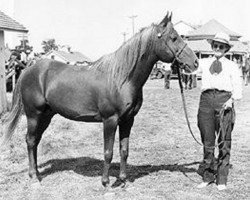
37	123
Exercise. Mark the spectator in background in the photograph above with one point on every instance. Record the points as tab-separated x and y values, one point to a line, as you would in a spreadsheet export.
245	68
167	75
31	58
30	55
23	58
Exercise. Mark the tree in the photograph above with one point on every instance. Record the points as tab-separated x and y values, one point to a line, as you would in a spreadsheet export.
49	45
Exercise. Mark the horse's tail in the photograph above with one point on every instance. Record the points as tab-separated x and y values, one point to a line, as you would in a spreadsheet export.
11	120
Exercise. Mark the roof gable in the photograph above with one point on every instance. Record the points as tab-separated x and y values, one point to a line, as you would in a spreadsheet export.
209	30
73	56
183	28
9	24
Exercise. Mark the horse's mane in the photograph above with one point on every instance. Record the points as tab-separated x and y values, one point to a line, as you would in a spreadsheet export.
120	64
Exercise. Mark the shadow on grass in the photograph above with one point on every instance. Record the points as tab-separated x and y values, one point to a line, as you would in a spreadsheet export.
92	167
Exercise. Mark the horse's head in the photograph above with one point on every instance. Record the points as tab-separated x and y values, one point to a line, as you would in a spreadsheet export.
171	47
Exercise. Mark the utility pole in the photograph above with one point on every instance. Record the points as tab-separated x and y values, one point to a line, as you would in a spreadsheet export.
124	36
23	37
132	17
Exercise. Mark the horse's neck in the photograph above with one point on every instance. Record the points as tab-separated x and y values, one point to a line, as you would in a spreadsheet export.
131	89
142	71
144	62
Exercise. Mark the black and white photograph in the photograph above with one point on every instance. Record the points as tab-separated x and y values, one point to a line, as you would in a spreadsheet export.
124	100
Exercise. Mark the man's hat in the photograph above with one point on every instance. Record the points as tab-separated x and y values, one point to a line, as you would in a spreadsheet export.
221	37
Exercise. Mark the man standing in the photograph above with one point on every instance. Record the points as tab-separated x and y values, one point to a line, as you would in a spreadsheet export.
221	86
167	75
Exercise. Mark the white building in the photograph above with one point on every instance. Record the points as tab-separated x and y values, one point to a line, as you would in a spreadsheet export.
68	57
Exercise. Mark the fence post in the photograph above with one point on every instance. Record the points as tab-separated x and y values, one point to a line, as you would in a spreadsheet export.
3	97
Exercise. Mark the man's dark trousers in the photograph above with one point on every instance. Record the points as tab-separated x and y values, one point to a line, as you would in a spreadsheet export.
211	102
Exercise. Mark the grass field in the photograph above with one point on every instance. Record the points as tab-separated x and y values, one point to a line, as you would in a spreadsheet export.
163	162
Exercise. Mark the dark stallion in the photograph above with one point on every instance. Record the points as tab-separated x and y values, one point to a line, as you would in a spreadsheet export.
108	91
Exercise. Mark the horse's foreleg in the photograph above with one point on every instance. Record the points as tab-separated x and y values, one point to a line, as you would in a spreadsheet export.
124	132
109	126
36	127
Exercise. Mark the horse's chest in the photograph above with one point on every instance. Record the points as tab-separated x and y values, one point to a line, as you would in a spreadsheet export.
131	108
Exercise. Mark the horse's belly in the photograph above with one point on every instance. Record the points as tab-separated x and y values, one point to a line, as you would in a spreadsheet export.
86	116
95	117
75	108
89	103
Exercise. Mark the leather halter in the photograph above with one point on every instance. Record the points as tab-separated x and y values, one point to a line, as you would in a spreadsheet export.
177	54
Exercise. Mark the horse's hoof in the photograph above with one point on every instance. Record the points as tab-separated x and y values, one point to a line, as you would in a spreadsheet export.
123	178
35	177
123	181
105	182
123	184
119	183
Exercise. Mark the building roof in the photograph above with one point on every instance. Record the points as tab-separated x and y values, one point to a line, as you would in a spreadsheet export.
9	24
204	47
73	56
183	27
209	30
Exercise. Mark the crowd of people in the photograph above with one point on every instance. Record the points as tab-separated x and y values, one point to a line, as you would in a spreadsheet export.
18	60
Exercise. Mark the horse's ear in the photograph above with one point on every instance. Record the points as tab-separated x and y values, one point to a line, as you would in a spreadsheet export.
170	17
165	21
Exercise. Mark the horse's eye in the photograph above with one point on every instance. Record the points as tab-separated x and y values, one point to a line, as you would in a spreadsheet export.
174	39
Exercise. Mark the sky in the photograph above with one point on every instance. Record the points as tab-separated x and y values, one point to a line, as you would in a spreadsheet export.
95	27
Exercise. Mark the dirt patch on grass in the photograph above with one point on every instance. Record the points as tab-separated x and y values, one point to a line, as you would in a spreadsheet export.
163	161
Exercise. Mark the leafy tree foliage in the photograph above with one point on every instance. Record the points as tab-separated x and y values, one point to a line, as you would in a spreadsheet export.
49	44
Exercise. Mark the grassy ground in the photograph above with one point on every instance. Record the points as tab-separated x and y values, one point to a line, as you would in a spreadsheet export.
163	161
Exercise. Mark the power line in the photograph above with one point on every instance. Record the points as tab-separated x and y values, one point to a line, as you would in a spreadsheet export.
132	17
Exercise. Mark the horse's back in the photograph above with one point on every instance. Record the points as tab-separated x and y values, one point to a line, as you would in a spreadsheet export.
72	91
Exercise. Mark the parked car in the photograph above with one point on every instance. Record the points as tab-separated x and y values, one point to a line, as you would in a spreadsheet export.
157	72
160	69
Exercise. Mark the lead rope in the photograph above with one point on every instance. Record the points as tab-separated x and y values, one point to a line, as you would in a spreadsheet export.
186	115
